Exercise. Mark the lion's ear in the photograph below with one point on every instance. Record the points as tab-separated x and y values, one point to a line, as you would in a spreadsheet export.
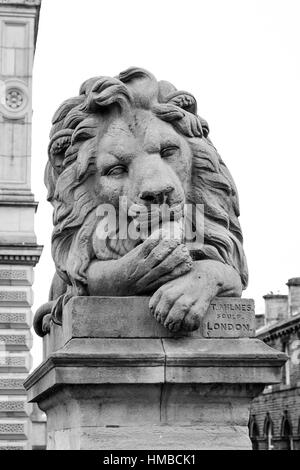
57	148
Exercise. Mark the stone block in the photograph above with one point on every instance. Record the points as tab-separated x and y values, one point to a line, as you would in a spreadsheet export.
38	434
15	362
229	318
14	445
13	170
15	296
6	141
21	140
221	361
12	406
16	318
17	223
8	61
111	317
13	429
15	34
16	275
12	384
124	317
154	438
22	62
16	340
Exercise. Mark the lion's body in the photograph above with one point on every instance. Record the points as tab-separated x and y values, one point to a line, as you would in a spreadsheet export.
129	137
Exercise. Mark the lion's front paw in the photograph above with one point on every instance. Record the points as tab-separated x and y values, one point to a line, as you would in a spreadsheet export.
182	302
179	304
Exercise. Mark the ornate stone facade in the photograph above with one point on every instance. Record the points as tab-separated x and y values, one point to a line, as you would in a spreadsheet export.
275	414
19	251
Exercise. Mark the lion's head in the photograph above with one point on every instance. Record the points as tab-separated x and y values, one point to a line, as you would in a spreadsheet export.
139	138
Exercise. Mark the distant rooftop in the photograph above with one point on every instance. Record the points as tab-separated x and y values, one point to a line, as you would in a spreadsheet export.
278	328
294	281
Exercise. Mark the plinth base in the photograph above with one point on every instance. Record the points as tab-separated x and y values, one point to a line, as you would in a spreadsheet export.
150	392
149	416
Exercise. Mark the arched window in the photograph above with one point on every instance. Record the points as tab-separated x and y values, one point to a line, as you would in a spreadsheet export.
268	431
286	432
253	432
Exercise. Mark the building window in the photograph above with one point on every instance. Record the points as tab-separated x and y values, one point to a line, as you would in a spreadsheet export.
287	432
253	432
268	431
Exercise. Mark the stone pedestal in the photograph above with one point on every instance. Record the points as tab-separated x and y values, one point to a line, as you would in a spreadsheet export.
113	378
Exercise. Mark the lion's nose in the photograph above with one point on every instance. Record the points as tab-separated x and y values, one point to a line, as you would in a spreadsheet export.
156	197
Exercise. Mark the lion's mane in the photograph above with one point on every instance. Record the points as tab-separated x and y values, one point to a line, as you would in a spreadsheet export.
77	122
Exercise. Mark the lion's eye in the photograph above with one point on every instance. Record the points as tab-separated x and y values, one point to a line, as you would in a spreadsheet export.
117	171
168	152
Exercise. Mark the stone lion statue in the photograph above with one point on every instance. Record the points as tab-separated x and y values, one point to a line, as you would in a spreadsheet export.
140	140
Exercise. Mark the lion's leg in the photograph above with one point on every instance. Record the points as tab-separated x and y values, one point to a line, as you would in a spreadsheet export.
42	318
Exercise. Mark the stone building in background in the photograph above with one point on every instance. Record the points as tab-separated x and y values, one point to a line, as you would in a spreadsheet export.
275	414
21	425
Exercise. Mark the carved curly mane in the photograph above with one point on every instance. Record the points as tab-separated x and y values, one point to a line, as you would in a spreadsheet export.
78	122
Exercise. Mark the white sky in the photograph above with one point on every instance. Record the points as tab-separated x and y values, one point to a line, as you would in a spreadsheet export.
240	59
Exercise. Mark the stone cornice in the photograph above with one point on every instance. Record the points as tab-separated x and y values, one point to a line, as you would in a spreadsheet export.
25	3
26	7
28	255
280	329
184	360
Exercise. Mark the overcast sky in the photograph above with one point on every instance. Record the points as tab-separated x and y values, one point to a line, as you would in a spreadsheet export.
240	59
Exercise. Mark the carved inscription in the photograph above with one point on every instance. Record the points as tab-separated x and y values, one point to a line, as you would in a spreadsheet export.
229	318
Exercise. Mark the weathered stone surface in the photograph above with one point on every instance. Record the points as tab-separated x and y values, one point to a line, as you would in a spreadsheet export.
15	296
11	406
149	416
15	318
13	445
13	429
16	340
12	384
11	361
229	318
111	317
186	360
27	3
196	437
125	317
18	221
14	276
